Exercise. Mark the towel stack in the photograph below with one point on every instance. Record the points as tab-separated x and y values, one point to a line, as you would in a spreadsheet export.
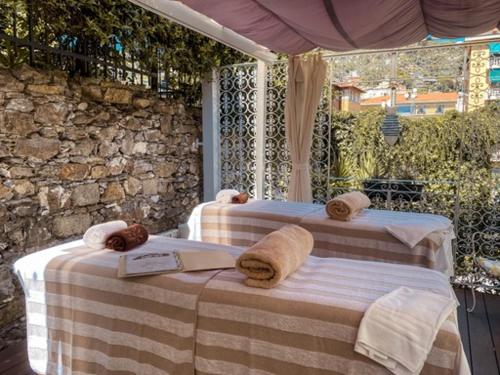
231	196
276	256
345	206
115	235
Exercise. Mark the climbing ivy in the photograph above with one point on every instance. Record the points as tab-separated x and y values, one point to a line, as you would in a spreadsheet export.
99	28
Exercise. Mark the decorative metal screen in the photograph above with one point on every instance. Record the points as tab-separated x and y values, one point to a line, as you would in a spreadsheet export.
237	87
467	192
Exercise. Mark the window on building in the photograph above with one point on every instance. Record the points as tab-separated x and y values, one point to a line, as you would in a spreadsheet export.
440	108
421	110
404	110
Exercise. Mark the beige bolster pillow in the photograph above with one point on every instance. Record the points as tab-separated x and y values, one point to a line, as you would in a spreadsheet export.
274	257
346	206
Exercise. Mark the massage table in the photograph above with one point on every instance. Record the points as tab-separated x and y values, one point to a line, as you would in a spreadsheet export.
82	319
365	237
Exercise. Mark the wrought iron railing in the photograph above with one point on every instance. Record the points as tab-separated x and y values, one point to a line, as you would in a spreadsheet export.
402	195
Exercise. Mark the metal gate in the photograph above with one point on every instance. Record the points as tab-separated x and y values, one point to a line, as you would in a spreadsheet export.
443	97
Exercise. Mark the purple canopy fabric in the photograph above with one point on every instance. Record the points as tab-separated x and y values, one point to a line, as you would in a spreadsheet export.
298	26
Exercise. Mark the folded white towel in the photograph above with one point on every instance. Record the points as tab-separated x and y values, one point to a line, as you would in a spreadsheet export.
226	195
95	237
413	230
398	329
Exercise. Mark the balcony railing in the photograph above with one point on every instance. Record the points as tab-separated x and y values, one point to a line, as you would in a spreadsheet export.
494	93
471	214
494	62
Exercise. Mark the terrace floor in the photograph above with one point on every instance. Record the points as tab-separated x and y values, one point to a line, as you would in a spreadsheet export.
480	331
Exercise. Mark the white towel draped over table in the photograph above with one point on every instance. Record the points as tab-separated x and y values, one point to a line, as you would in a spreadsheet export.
398	329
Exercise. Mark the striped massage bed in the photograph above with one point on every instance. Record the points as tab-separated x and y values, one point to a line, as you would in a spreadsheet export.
363	238
82	319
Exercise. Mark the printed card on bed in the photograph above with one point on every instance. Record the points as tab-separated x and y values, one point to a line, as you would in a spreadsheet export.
152	263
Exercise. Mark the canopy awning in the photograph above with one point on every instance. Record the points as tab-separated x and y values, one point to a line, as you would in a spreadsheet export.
297	26
258	27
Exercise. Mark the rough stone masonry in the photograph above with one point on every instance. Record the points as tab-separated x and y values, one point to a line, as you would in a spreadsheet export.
76	153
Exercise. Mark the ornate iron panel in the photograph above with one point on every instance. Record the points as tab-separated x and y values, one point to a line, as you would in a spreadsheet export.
237	87
277	163
457	69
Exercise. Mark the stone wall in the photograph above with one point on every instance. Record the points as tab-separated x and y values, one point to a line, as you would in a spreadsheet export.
77	153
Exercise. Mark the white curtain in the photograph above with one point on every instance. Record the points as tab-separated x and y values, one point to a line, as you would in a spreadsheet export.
306	76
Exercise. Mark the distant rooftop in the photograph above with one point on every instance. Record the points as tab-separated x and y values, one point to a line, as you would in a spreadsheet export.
430	97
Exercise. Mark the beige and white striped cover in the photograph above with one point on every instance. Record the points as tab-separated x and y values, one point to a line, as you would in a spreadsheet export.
308	325
83	320
243	224
364	238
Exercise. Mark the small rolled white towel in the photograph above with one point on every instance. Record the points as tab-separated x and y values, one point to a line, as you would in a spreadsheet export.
95	237
226	195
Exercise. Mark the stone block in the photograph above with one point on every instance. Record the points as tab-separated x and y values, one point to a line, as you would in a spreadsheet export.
163	107
82	119
118	96
116	166
133	186
6	192
127	146
4	150
164	169
53	199
99	171
140	148
93	92
150	187
131	123
166	124
38	148
85	195
20	105
20	123
83	148
74	172
114	192
51	113
40	89
82	106
141	167
67	226
24	188
141	103
102	117
107	149
29	74
152	135
20	172
8	83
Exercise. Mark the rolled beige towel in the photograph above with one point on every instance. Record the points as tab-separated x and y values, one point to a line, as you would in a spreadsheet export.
345	206
274	257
